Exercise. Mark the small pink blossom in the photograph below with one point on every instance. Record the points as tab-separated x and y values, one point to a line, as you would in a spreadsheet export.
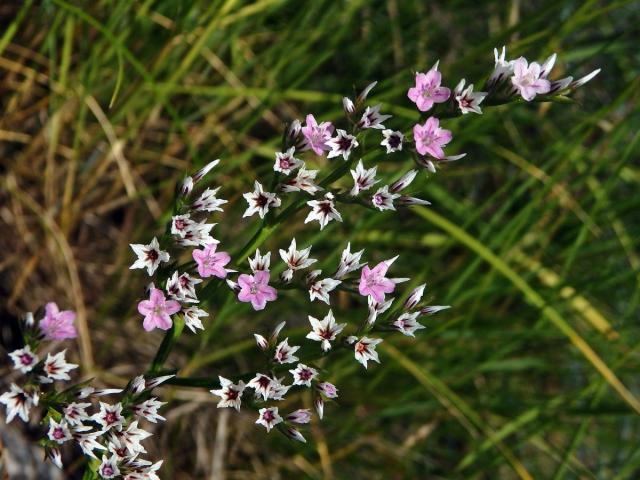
428	90
529	79
57	325
211	263
430	138
255	289
316	136
157	311
374	283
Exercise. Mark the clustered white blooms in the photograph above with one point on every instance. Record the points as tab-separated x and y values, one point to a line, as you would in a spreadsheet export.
181	293
109	433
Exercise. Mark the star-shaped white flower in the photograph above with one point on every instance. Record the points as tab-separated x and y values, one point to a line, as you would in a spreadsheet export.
208	201
372	118
149	256
295	260
325	330
303	375
149	409
76	413
259	201
56	367
383	199
260	262
363	178
269	417
58	432
320	289
284	352
24	359
468	100
18	402
349	262
304	180
109	467
342	144
323	211
407	324
109	416
192	318
230	394
392	140
365	350
286	162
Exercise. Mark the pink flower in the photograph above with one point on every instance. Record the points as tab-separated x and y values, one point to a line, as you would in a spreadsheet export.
316	136
529	79
374	283
430	138
157	311
57	325
255	289
428	90
211	263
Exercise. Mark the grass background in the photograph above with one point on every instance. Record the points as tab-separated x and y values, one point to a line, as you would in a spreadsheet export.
533	237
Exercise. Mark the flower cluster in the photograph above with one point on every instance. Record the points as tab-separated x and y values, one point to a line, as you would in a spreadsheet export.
108	433
183	292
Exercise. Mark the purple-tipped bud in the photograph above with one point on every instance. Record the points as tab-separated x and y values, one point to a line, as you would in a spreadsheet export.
318	404
585	79
261	341
276	332
403	182
433	309
287	275
55	456
415	297
301	416
365	93
294	434
409	201
329	390
204	170
186	187
348	105
138	384
294	129
233	285
154	382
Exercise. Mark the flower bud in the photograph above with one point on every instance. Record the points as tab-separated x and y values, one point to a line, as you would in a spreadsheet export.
415	297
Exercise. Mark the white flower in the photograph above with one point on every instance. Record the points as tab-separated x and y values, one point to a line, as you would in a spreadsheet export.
363	178
260	201
376	308
342	144
303	375
325	330
372	118
229	393
149	410
407	324
130	439
109	467
208	202
109	416
286	162
503	68
349	262
197	234
18	402
57	368
320	289
269	417
24	359
468	100
268	387
383	199
260	262
182	287
304	180
392	140
192	316
323	211
295	260
58	432
149	256
284	352
180	224
88	443
76	413
365	350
